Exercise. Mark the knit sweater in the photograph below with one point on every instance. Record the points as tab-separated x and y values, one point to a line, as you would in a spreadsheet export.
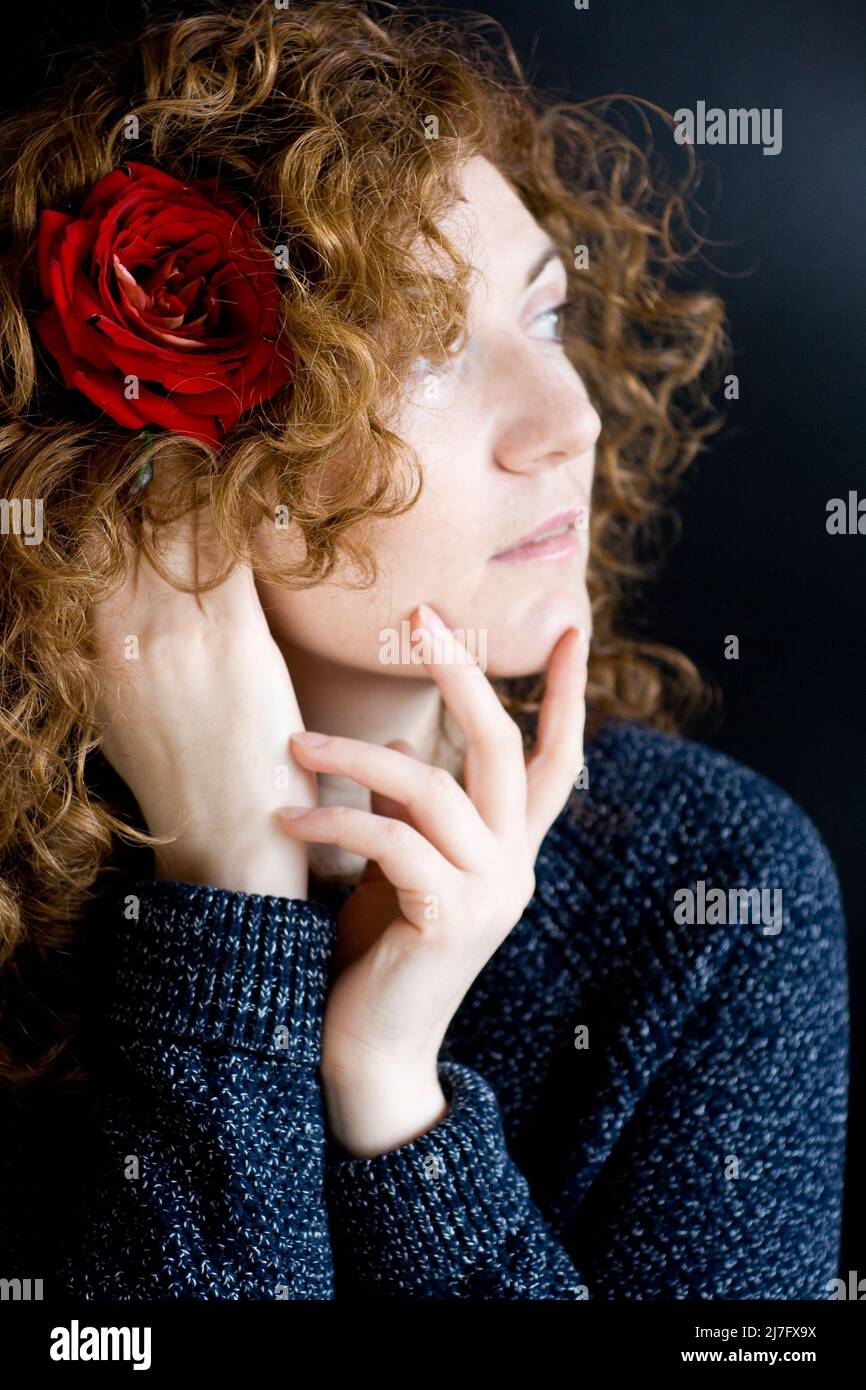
647	1092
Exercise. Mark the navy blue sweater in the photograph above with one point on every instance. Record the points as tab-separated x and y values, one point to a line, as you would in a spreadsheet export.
647	1093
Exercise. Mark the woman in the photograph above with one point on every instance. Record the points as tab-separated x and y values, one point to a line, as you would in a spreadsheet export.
364	933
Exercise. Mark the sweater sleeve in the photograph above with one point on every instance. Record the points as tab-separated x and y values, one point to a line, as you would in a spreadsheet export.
448	1215
205	1172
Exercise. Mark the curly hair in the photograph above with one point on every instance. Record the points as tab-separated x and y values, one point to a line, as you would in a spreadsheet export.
344	131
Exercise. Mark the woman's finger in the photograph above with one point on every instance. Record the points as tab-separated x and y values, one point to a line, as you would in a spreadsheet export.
407	860
439	807
494	769
556	759
385	805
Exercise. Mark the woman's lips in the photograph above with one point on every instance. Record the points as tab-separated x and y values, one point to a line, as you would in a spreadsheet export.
555	537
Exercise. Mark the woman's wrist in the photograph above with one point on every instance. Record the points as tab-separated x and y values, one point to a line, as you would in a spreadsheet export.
267	869
373	1113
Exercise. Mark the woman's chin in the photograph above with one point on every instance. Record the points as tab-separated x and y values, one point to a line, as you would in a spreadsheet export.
527	650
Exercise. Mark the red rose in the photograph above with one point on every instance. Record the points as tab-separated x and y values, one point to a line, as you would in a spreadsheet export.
159	288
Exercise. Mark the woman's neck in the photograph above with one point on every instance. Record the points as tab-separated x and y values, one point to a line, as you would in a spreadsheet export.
338	700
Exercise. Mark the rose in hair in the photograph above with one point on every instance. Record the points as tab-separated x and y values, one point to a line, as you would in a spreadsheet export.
162	303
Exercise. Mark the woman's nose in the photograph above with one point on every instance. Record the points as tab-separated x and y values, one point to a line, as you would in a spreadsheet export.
546	418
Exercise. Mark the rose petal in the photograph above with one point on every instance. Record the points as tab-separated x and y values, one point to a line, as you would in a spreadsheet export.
82	340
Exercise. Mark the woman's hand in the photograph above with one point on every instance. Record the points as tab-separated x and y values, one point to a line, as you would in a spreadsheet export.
198	706
448	878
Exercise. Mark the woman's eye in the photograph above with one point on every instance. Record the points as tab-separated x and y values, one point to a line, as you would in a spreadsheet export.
553	328
554	320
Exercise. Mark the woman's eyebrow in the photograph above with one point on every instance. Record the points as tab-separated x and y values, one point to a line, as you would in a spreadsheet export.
550	252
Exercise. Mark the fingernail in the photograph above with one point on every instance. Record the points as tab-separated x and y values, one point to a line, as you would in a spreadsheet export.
431	619
292	812
313	739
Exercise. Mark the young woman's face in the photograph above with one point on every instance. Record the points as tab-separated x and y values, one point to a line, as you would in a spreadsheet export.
506	436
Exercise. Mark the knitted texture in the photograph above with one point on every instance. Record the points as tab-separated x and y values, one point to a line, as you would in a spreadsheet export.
640	1105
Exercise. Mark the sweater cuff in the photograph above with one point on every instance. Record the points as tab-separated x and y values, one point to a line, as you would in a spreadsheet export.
216	966
450	1196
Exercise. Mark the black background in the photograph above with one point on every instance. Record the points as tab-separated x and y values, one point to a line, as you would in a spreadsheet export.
755	558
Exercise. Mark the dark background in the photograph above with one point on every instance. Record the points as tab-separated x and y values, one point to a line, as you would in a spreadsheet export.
755	558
